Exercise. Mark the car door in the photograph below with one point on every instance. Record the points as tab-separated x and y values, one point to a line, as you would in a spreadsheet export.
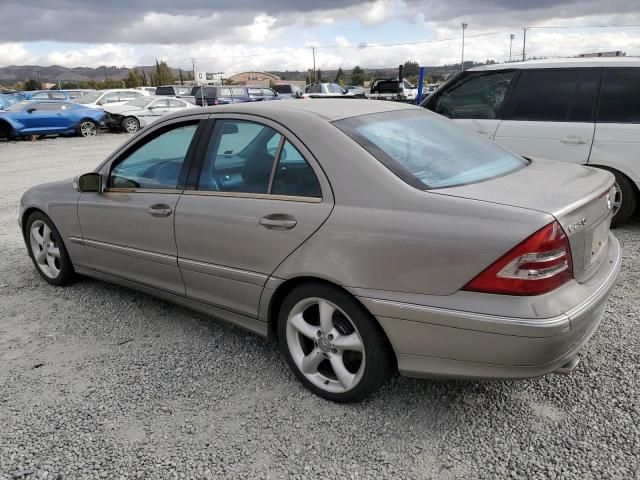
245	210
617	139
475	100
550	114
127	229
157	109
43	117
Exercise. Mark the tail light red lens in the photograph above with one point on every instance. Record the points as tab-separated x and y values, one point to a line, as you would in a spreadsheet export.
538	265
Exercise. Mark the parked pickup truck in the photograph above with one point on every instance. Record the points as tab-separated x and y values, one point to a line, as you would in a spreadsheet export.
183	92
392	89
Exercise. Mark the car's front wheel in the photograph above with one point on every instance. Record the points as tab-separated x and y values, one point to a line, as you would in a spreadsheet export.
130	125
87	128
332	344
47	250
5	131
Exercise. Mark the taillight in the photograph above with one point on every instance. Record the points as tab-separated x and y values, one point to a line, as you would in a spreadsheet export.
538	265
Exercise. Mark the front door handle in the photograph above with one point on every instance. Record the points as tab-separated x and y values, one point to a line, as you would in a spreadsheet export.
278	222
159	210
573	140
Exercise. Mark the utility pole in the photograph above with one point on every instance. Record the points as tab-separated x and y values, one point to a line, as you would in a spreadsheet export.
105	74
511	45
464	27
524	44
193	63
313	50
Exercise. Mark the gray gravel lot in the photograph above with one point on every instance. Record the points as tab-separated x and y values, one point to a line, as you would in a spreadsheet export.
97	381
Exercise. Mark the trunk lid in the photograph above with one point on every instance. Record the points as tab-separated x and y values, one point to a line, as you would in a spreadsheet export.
579	197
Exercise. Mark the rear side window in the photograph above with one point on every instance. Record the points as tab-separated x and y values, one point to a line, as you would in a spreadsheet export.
57	95
620	96
238	92
477	95
428	151
554	96
283	88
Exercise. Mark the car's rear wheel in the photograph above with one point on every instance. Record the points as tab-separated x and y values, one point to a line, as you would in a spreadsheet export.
332	344
87	128
130	125
624	200
47	250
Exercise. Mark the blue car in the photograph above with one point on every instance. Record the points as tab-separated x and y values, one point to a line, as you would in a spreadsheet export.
50	117
46	95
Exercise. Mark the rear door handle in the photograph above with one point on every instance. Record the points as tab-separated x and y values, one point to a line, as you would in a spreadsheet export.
573	140
278	222
159	210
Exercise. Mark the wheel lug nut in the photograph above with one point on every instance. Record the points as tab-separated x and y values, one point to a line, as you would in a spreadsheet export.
330	337
319	333
333	350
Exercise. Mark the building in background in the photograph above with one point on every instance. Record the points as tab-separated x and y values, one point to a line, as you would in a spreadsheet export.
253	78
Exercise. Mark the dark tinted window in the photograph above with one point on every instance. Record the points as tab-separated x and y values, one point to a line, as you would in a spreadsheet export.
283	88
475	95
294	176
554	95
313	88
164	91
620	96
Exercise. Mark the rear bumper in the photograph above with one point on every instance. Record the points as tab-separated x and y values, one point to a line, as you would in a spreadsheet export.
437	342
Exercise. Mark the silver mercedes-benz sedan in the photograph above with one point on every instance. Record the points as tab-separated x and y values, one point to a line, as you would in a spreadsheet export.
365	236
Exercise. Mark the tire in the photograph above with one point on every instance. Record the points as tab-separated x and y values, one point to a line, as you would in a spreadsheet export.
625	200
328	348
47	250
87	128
5	132
130	125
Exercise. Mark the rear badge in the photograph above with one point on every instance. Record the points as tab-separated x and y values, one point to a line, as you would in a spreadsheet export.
578	225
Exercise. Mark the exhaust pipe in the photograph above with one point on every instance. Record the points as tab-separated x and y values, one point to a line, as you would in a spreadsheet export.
568	367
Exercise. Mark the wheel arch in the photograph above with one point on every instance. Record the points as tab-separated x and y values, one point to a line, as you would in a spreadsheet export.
280	293
621	172
10	128
25	216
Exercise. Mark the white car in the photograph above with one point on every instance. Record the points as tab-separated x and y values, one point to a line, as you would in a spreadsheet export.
578	110
101	98
138	113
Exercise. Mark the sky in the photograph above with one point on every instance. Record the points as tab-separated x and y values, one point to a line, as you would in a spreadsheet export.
236	35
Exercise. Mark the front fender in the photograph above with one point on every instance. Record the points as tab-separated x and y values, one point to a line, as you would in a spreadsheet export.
59	201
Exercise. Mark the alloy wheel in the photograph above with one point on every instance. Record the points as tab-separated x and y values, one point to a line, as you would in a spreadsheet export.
88	129
46	251
325	345
130	125
617	198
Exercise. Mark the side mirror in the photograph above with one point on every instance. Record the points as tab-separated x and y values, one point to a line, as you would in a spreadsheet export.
31	109
89	182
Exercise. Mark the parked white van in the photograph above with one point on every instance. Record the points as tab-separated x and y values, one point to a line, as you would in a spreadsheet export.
115	96
573	110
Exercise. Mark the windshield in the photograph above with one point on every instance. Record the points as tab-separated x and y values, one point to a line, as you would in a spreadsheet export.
89	97
16	107
334	88
140	102
428	151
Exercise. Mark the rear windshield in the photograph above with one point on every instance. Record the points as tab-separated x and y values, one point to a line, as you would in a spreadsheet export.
164	91
428	151
283	88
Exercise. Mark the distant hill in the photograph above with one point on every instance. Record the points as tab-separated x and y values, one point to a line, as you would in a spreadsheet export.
55	73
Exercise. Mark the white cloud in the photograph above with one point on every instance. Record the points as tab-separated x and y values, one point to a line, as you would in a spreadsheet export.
14	54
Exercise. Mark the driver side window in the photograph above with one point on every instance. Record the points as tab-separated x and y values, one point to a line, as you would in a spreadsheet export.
156	164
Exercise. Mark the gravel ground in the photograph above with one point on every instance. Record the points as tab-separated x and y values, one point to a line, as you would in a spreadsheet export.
97	381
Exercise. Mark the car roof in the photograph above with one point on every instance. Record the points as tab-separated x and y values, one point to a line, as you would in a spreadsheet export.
564	63
328	108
